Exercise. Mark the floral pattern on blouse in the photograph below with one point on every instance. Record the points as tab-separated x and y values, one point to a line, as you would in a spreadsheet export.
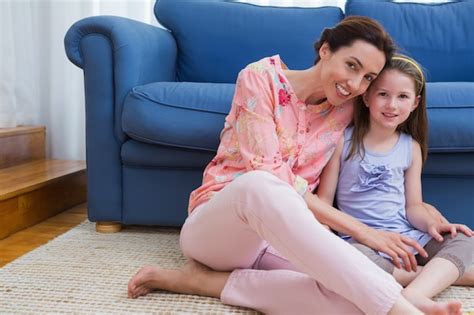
268	128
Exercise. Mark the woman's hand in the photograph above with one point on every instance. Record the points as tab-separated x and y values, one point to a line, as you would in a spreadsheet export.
437	228
397	246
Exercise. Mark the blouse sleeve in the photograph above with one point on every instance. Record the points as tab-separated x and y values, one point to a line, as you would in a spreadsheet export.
256	129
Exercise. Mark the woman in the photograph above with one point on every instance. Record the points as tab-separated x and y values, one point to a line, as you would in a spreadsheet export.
256	194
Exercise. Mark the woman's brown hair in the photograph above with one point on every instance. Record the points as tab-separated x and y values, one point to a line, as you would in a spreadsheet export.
354	28
417	123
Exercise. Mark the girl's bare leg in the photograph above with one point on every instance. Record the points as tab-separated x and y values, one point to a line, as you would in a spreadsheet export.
467	278
405	278
436	276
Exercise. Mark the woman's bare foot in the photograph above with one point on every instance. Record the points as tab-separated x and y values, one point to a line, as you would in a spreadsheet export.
428	306
189	279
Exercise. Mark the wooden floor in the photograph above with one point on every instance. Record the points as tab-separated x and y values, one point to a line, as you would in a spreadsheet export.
25	241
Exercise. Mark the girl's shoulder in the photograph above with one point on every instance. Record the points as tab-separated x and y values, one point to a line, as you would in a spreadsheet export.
348	133
346	142
407	139
413	148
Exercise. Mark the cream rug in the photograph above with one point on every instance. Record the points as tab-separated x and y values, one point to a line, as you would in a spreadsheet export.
82	271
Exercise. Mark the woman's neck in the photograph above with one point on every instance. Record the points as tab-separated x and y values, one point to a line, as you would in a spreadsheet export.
306	84
380	140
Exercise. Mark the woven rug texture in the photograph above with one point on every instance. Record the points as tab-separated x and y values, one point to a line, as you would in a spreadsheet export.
83	271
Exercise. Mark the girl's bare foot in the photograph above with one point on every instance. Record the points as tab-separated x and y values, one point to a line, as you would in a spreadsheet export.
187	279
431	307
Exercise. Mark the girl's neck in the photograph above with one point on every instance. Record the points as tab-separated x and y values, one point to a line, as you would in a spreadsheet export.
306	84
380	140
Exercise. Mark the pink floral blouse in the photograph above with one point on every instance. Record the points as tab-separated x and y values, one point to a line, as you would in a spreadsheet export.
270	129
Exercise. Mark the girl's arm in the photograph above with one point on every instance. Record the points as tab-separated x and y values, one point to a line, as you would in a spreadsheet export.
417	213
393	244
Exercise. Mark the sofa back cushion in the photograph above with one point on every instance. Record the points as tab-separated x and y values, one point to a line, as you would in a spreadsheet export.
216	39
186	115
191	115
451	117
438	35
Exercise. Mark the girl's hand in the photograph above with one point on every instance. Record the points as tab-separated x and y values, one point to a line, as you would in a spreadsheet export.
435	213
437	228
397	246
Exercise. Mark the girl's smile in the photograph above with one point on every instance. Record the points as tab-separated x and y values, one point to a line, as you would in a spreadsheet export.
391	99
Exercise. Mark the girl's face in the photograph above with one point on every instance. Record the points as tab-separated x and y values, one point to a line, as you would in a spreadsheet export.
391	99
347	72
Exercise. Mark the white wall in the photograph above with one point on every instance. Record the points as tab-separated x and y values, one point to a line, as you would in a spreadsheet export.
37	81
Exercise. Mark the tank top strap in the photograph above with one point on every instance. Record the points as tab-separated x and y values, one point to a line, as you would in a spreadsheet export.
407	146
347	142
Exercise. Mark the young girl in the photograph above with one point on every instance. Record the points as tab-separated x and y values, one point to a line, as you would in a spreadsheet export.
378	164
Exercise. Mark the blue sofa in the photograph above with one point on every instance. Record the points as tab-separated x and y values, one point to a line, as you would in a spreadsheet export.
156	98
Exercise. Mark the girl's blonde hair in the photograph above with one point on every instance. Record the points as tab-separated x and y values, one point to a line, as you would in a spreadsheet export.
417	123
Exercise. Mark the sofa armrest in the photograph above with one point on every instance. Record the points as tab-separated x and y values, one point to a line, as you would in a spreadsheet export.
116	54
138	53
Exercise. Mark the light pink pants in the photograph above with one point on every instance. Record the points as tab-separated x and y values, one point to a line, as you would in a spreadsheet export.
233	230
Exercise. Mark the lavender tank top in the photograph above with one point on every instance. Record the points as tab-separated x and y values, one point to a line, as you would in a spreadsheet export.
372	190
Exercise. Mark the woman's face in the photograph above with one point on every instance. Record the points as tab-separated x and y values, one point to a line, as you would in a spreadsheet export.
347	72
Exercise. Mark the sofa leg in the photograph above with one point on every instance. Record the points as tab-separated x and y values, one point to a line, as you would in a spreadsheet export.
108	227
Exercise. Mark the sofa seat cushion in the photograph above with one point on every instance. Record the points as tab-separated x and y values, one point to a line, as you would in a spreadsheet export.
451	116
139	154
178	114
450	164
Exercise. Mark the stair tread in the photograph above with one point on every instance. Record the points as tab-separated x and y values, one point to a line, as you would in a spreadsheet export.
20	130
29	176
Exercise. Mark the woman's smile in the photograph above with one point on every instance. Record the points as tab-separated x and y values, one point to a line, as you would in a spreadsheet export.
342	91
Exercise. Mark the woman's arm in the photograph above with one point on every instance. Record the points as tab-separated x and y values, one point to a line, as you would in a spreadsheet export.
255	128
325	194
330	175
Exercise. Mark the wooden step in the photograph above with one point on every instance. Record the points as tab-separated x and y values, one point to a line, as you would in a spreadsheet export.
34	191
21	144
